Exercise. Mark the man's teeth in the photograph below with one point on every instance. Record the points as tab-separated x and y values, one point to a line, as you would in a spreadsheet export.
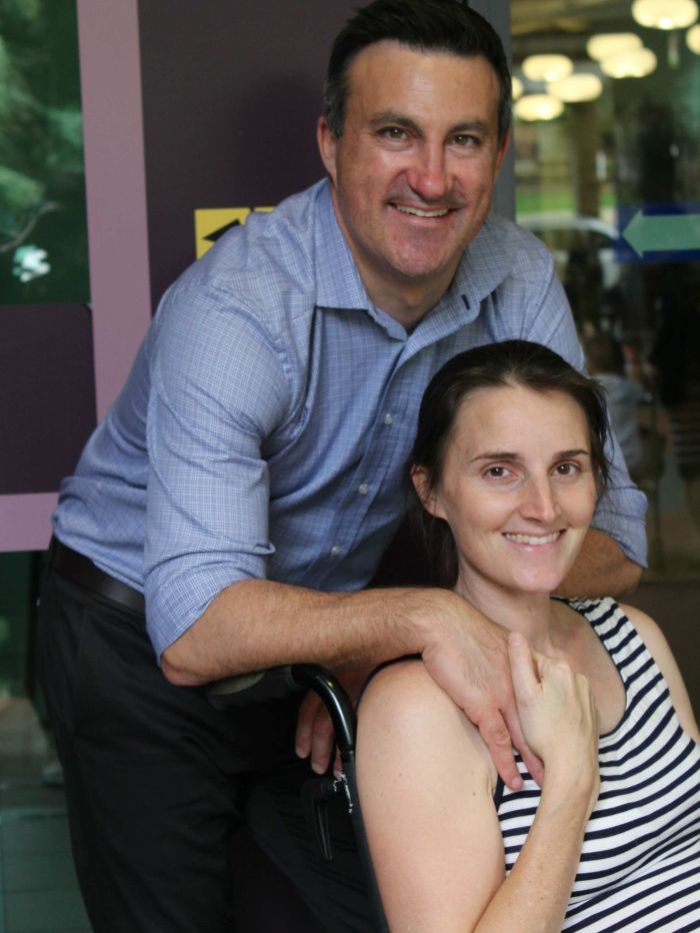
533	539
417	212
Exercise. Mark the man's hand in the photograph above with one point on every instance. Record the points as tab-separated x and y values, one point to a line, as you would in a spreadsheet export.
469	660
315	736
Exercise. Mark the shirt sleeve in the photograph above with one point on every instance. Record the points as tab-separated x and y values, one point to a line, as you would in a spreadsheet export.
218	391
621	510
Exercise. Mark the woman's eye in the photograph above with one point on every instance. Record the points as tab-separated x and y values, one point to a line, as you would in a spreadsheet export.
567	469
497	472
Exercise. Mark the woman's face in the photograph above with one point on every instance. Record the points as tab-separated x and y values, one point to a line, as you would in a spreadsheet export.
517	488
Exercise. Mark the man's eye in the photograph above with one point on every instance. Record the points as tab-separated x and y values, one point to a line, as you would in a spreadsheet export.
464	139
394	132
497	472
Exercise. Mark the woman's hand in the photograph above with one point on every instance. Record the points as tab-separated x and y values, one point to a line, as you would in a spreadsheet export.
559	719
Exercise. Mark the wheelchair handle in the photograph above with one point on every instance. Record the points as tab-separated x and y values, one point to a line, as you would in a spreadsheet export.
279	682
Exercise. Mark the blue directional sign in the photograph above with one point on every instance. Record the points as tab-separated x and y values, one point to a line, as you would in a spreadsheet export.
659	233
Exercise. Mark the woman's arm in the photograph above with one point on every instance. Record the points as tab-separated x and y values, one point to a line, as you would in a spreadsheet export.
426	788
560	721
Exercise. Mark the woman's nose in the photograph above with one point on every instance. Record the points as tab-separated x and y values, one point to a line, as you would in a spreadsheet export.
540	501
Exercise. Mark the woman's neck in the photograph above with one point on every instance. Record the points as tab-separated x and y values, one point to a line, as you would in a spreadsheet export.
531	614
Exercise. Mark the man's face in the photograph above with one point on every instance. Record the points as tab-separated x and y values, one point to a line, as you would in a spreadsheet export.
414	169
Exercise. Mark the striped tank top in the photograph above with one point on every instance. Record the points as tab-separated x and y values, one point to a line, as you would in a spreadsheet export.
640	862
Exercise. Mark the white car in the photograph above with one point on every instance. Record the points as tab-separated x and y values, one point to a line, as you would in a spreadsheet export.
583	237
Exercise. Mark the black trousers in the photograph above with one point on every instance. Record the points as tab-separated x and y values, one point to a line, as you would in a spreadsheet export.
157	780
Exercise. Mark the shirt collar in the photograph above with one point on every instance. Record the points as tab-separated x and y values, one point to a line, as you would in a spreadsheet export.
338	283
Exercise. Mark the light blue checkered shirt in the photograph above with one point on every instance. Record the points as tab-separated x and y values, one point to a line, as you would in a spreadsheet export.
265	427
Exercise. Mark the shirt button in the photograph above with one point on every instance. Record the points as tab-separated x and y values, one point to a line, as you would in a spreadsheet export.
363	489
388	419
335	550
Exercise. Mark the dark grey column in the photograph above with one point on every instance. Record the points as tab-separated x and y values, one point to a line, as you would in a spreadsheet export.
497	12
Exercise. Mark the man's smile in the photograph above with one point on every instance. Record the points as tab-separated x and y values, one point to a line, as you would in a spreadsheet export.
421	212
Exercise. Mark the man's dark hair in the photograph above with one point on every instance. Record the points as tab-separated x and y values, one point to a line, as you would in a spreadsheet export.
424	25
496	365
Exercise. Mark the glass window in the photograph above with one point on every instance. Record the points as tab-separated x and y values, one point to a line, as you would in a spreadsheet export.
43	227
611	183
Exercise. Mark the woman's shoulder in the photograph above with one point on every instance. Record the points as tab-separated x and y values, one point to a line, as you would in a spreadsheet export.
405	690
403	702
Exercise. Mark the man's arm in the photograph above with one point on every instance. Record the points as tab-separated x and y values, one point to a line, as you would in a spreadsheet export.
601	569
256	624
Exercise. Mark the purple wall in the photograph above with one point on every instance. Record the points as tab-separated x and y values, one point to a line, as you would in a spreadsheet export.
185	106
57	399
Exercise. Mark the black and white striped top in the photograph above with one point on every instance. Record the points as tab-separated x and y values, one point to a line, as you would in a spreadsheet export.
640	862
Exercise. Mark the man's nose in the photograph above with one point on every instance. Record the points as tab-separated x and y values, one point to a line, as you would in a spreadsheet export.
428	174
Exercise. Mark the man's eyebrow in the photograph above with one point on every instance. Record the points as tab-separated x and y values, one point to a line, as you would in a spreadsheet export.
394	118
470	126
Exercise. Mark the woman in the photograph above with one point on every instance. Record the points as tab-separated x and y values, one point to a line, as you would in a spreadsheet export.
508	465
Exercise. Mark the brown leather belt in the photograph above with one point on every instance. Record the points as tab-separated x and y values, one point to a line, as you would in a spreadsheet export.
80	570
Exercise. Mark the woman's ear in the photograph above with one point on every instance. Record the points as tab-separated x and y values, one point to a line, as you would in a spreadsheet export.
420	477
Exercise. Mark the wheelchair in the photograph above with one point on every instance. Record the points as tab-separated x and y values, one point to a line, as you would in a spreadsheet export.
317	792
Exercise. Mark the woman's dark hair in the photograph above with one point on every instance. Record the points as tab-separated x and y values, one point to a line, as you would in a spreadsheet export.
424	25
497	365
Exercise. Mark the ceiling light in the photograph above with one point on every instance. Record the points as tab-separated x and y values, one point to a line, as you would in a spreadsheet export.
665	14
576	88
547	67
637	63
692	37
604	45
538	107
517	88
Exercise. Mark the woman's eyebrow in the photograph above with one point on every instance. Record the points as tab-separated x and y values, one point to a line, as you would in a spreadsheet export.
577	452
496	455
512	456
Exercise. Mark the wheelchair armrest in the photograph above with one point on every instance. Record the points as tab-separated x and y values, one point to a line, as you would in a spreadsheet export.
278	682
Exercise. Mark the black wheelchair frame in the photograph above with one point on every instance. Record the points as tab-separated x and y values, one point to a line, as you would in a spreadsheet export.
283	681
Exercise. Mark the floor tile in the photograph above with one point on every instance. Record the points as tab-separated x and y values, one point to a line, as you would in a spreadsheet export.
38	872
45	912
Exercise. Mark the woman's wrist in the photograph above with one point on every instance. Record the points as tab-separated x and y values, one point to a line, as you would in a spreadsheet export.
576	792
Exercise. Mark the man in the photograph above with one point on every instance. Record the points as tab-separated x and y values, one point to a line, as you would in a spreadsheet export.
250	475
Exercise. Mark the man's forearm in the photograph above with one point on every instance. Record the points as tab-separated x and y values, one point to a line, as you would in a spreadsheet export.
601	569
256	624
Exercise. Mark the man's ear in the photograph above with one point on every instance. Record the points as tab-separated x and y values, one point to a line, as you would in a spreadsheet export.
425	491
502	150
328	147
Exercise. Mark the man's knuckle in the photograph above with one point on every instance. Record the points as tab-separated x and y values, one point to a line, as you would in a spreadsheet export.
496	734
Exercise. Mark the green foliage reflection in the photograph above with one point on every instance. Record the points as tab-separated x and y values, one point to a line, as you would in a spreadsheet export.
43	237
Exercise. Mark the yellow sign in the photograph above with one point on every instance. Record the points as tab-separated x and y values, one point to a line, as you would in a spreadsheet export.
211	223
